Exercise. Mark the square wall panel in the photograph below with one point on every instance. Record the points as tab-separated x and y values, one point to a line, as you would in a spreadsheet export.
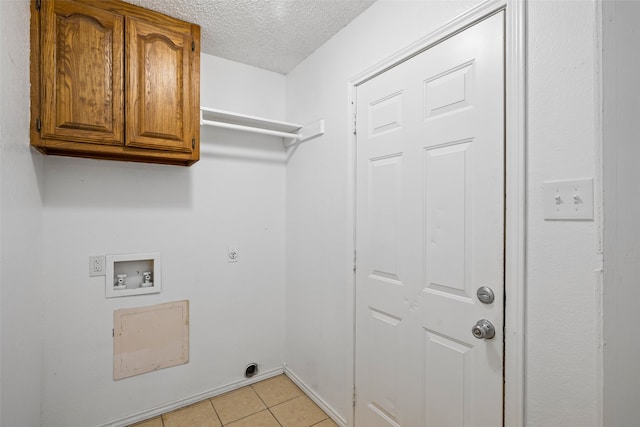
149	338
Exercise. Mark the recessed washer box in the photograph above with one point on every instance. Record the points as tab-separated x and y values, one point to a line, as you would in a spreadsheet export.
133	274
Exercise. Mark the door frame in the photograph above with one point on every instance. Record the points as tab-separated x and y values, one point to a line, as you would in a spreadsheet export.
515	187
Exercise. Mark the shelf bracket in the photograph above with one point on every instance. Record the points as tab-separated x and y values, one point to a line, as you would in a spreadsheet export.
310	131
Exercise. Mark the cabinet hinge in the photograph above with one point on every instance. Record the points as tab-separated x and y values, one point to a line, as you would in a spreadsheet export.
193	46
38	124
38	4
193	143
113	333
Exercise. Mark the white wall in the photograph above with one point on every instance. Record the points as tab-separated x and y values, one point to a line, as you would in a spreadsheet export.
621	64
233	196
563	259
562	353
21	282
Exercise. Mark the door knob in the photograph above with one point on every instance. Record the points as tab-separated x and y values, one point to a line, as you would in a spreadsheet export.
484	330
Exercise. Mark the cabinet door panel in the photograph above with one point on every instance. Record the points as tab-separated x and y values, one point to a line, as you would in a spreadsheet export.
158	93
82	73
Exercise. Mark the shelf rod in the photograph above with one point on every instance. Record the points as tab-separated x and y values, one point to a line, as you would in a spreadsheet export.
249	129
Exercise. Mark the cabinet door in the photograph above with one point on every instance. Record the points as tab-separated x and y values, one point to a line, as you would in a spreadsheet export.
82	73
158	92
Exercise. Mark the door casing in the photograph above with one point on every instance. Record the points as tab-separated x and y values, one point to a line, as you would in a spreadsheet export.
515	187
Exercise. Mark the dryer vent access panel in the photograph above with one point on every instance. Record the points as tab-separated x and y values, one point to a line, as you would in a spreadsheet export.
149	338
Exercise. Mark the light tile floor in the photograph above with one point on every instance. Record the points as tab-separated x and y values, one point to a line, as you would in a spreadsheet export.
275	402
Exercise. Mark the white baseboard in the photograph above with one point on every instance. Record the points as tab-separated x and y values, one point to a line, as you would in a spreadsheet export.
317	399
162	409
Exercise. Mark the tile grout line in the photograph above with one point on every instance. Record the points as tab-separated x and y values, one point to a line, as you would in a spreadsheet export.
250	386
274	417
288	400
267	406
321	421
300	395
242	418
215	412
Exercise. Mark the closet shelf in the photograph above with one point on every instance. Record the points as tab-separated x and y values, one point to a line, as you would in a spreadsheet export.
292	131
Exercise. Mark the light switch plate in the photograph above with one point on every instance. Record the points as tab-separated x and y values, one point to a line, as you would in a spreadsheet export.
568	200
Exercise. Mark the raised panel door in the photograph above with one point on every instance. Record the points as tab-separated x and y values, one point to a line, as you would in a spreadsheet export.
158	93
82	73
430	232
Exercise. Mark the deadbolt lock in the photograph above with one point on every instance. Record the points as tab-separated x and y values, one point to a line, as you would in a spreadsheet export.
485	295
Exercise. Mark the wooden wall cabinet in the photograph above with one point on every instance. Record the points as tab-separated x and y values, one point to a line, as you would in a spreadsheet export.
115	81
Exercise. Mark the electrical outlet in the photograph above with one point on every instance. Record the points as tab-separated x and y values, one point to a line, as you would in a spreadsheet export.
96	266
232	254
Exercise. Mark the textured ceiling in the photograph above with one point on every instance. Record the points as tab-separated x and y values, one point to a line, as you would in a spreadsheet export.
272	34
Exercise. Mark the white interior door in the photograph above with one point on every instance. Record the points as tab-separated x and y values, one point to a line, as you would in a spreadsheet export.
430	233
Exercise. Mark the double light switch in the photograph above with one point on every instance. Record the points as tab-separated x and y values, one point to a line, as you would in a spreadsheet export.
568	200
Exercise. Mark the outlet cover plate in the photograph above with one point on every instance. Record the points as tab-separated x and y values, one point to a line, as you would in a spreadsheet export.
569	200
232	254
97	266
